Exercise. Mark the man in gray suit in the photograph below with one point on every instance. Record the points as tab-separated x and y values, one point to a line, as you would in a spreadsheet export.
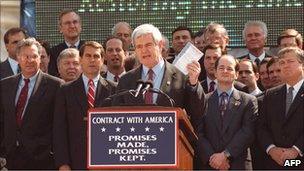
227	126
148	44
11	38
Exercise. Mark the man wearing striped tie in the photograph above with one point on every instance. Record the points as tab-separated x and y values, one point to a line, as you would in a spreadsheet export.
72	103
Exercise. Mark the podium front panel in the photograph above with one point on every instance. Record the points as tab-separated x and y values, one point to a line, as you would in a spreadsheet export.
132	138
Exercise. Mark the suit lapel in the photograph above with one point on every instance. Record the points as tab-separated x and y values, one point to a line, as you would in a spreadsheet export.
234	103
213	110
101	92
38	90
205	85
11	96
80	94
7	68
299	99
280	96
167	79
39	82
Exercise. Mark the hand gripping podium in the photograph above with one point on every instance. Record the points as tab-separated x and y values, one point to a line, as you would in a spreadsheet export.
139	137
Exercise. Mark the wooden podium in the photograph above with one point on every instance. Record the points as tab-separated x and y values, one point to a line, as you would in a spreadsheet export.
186	137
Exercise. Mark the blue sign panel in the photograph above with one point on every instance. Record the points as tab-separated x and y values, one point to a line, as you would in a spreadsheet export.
132	139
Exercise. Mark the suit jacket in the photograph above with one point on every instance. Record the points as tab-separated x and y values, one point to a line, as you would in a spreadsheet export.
278	129
238	85
55	51
174	83
5	69
70	127
35	133
233	133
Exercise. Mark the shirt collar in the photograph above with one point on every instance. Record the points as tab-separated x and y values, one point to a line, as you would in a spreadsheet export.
112	75
86	79
209	81
76	44
261	57
296	86
156	69
32	78
14	64
229	92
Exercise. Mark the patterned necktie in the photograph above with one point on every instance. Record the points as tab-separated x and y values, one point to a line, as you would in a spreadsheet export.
116	78
223	102
149	94
289	97
257	61
73	46
91	94
22	101
211	86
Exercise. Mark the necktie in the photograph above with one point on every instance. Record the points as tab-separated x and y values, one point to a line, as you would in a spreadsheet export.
22	101
149	95
91	94
72	46
257	61
211	86
223	102
289	97
116	78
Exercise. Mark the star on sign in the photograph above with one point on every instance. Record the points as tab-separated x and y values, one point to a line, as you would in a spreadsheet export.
161	129
103	129
132	129
117	129
147	129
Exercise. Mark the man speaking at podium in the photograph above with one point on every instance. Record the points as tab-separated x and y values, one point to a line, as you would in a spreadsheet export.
148	43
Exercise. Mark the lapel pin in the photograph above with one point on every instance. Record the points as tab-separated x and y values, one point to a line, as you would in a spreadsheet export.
237	103
168	82
302	95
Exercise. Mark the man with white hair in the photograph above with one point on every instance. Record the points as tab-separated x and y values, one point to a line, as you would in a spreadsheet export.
255	37
124	31
148	43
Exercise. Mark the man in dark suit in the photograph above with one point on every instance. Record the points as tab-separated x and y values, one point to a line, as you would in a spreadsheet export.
10	66
148	43
227	126
27	105
68	64
211	53
70	27
115	55
72	103
180	37
280	132
255	37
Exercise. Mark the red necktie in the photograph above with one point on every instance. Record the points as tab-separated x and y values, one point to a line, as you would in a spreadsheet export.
149	94
22	101
116	78
91	94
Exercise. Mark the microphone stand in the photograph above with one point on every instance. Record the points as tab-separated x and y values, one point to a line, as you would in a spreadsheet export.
158	91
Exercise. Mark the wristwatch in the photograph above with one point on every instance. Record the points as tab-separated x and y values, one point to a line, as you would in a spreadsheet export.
227	154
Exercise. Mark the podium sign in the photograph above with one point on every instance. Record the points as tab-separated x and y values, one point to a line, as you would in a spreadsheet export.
132	139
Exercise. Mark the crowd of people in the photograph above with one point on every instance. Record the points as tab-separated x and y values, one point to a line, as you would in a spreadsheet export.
247	111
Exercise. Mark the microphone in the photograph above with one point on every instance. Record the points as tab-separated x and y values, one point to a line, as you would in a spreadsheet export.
148	85
140	83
